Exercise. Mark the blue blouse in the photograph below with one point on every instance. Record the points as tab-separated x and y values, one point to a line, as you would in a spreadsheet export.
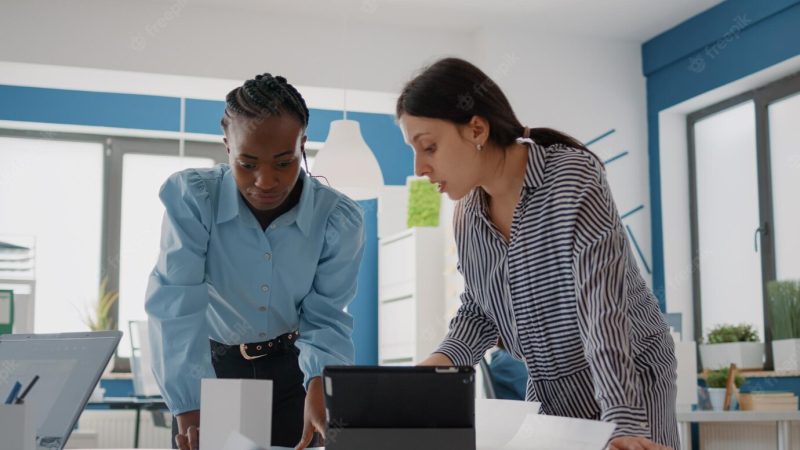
220	276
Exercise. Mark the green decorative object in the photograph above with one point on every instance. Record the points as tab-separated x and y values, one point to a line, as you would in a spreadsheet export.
98	318
784	306
6	311
732	333
424	202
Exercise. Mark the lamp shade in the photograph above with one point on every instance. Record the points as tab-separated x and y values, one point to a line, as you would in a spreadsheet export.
348	163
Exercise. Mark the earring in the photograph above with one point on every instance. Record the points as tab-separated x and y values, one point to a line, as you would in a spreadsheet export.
479	147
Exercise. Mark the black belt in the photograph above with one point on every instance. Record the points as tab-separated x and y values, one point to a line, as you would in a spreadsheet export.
255	350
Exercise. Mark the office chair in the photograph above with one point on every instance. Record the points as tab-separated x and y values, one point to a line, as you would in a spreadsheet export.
488	381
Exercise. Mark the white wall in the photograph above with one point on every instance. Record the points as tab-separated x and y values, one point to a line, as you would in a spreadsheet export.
583	87
186	38
679	265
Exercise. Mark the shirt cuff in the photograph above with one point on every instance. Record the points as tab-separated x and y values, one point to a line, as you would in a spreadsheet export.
312	365
458	352
184	407
629	421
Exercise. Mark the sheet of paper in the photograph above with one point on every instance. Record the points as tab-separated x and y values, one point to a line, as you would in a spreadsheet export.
497	421
237	441
541	432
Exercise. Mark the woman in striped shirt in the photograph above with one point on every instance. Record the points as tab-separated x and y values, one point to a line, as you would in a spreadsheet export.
545	259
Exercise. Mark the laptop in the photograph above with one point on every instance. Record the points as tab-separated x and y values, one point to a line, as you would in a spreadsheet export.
69	366
399	407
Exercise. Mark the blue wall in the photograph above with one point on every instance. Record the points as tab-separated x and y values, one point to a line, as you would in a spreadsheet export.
732	40
365	306
155	113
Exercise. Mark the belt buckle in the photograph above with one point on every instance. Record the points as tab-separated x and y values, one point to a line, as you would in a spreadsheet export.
243	351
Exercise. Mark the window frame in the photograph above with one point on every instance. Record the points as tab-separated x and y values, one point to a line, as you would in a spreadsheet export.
762	98
114	150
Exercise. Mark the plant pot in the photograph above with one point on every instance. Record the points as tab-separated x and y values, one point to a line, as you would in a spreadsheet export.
717	398
746	355
786	354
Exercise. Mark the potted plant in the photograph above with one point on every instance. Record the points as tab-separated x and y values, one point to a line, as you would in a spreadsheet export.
97	318
784	307
732	344
716	382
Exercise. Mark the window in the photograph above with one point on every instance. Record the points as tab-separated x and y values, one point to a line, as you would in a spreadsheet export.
727	217
51	197
83	208
784	135
744	178
140	232
138	168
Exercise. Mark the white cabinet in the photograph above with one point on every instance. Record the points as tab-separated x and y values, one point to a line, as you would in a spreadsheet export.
411	319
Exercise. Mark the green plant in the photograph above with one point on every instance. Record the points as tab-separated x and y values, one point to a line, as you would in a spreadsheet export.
423	204
719	379
784	308
732	333
98	317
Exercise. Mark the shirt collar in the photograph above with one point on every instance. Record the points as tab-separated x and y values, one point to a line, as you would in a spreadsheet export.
534	176
232	205
229	198
303	212
537	159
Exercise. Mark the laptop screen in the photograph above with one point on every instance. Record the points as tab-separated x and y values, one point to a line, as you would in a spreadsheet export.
69	365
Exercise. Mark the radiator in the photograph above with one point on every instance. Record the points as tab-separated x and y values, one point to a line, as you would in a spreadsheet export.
115	429
744	436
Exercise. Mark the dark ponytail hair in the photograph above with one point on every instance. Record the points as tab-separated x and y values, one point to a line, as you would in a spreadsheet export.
455	90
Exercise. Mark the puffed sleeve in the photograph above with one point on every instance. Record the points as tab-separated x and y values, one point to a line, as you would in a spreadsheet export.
326	329
177	294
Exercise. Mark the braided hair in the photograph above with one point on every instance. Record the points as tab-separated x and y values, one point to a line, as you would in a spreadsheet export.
265	96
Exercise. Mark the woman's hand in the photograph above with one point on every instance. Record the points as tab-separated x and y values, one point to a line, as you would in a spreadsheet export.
314	417
188	437
634	443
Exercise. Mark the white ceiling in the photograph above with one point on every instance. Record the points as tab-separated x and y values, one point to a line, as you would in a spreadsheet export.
630	20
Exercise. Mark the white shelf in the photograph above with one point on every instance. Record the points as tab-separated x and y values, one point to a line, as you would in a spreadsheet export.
411	295
737	416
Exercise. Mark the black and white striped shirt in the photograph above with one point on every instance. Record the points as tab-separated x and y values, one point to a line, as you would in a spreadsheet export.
567	298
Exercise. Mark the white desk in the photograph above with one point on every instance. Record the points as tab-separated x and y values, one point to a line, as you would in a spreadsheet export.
783	419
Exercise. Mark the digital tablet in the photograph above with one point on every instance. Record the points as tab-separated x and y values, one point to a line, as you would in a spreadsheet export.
400	397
